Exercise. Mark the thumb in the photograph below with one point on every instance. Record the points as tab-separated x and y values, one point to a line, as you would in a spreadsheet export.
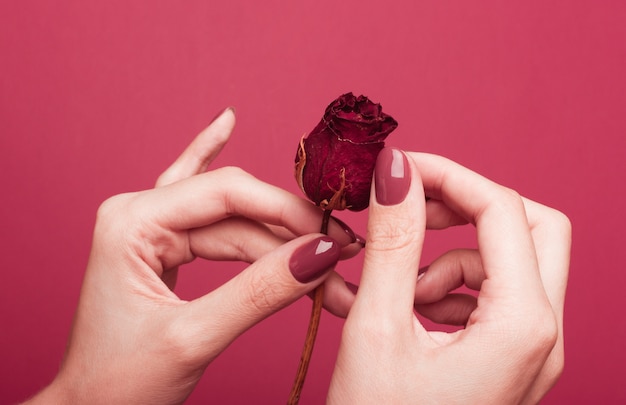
268	285
395	234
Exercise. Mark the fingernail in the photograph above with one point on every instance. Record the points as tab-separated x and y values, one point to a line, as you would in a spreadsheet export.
421	272
360	240
222	113
392	176
346	229
313	259
352	287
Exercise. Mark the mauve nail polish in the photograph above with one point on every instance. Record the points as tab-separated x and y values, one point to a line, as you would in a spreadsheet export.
352	287
346	229
392	177
314	258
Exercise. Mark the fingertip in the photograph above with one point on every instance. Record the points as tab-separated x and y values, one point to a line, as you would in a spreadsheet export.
339	295
392	176
351	242
230	110
347	230
202	150
352	287
231	113
314	258
351	250
221	126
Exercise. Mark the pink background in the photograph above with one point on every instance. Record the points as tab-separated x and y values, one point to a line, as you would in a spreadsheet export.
98	97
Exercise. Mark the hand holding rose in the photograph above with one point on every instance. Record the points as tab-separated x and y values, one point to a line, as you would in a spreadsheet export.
511	350
133	339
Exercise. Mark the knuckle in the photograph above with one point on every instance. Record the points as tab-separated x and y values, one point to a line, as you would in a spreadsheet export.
554	366
555	229
166	178
265	292
541	338
184	340
560	222
504	202
532	330
549	348
232	180
547	332
112	208
121	223
510	199
110	205
392	235
233	172
511	193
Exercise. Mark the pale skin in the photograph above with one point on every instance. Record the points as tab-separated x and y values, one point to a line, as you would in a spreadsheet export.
511	350
134	341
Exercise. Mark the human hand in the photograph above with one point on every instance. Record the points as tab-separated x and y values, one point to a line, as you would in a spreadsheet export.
511	349
133	340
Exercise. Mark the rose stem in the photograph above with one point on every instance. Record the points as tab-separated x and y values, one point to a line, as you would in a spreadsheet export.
314	322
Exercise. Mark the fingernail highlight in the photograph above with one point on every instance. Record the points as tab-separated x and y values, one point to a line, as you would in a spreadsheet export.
314	259
392	177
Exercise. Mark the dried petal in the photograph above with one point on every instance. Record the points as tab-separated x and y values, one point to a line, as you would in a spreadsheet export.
335	162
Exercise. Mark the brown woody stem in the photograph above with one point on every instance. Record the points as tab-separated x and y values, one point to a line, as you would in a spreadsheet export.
325	220
314	322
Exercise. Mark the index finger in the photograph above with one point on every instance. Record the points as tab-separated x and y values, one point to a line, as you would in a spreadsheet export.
504	238
202	150
206	198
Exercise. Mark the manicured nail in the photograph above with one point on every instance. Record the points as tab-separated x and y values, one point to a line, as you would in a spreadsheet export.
360	240
352	287
313	259
392	176
346	229
222	113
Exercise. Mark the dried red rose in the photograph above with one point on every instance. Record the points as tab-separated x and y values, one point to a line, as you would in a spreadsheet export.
335	162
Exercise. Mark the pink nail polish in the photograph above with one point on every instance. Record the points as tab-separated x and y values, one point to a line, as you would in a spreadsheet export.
392	176
346	229
314	259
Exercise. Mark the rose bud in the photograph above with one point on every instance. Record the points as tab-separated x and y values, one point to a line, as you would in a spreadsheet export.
335	162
